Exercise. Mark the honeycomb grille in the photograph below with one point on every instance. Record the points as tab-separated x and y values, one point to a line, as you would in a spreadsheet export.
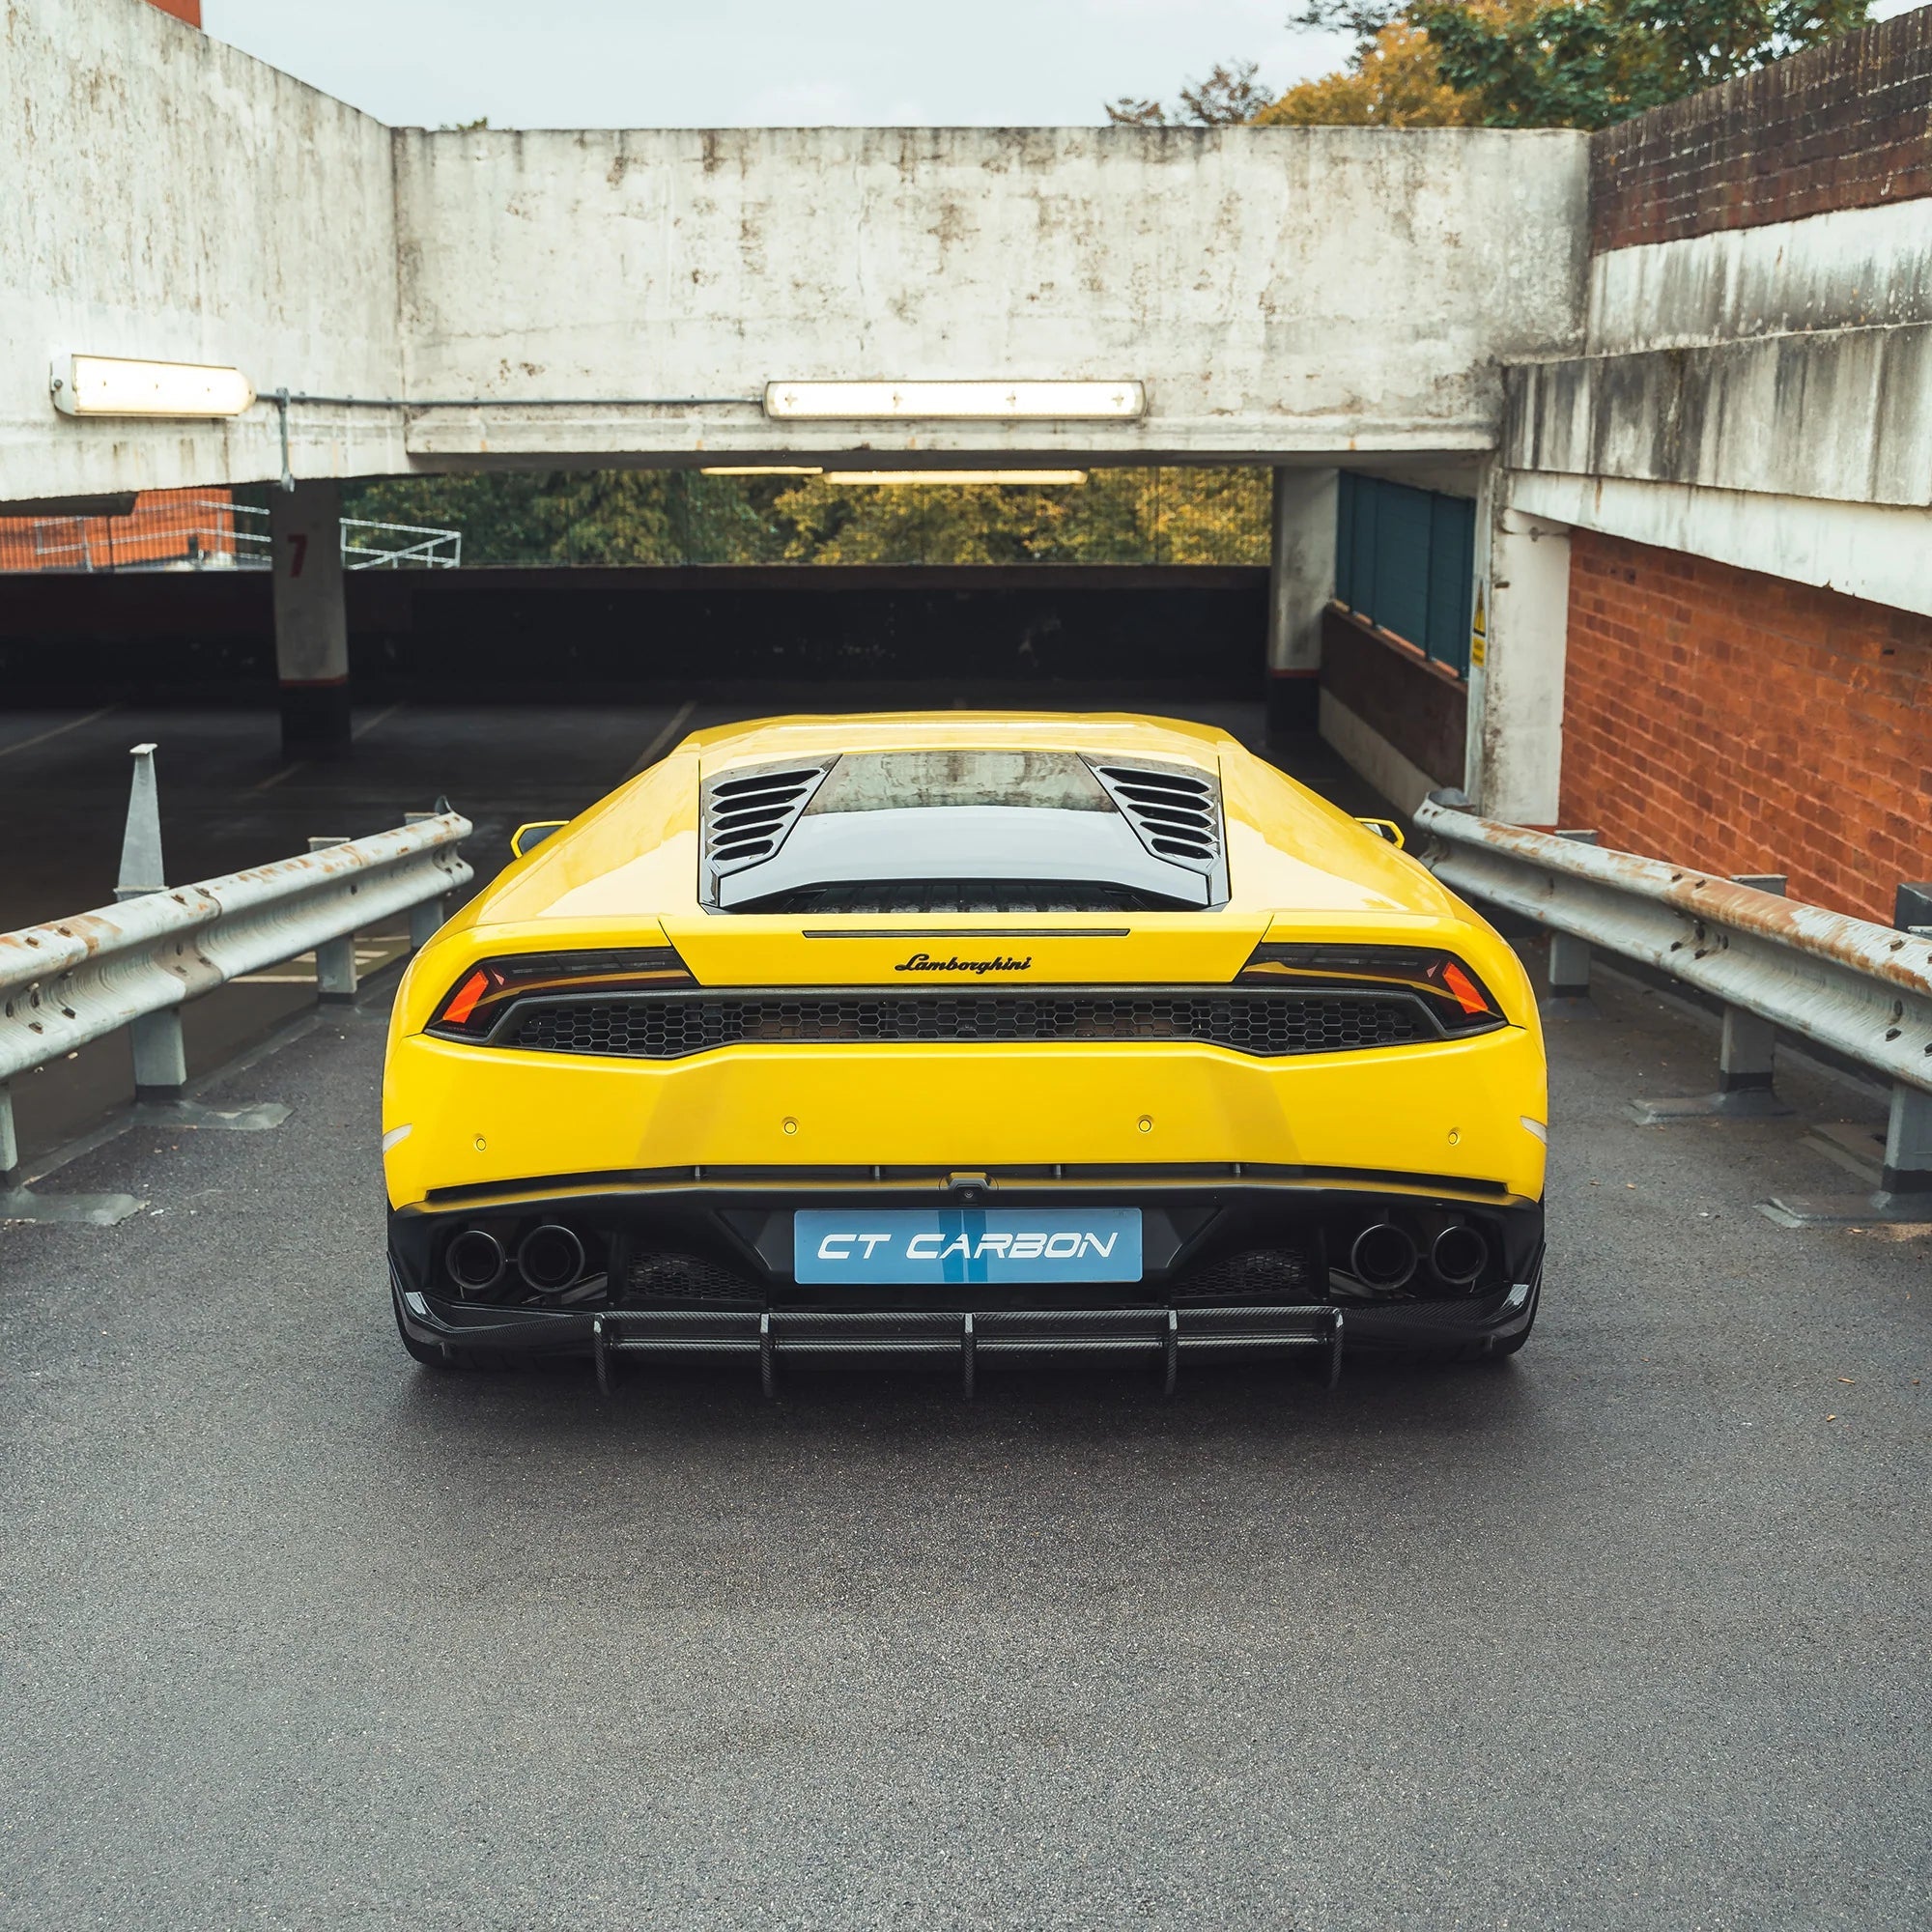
671	1277
1257	1276
673	1026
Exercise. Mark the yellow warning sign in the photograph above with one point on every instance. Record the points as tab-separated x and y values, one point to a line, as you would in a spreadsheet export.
1479	631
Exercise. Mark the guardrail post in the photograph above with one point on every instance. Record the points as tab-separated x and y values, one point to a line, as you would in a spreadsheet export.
1569	958
1745	1063
335	980
426	919
19	1203
1907	1132
1904	1192
1908	1147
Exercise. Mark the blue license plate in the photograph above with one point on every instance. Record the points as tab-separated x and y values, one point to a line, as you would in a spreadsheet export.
916	1246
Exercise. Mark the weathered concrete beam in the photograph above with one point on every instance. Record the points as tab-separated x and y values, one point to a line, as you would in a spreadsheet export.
1853	267
1279	291
1876	551
1843	415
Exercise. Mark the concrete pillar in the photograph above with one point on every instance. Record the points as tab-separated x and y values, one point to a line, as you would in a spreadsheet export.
1301	579
1520	636
311	630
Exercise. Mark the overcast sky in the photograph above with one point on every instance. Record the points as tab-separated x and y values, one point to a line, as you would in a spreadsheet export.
766	63
724	63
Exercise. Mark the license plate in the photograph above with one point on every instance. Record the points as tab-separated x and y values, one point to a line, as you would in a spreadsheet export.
914	1246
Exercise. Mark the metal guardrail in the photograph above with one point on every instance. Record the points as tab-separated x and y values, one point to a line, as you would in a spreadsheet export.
134	964
1861	989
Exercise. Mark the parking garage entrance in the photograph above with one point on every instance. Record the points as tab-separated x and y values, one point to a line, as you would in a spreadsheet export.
773	587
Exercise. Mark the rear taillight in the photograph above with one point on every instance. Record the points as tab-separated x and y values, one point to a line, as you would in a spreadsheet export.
1460	1001
485	991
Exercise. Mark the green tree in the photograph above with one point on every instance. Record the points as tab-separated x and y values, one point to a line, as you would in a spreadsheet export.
1591	64
1516	63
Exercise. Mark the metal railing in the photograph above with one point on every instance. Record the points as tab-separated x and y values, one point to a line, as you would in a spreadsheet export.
422	549
181	531
1862	990
134	964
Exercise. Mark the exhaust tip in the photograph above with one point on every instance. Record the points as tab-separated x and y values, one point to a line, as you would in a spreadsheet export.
474	1261
1383	1254
550	1258
1457	1255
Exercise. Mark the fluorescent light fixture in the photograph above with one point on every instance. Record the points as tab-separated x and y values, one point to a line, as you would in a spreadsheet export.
111	386
761	469
945	477
981	402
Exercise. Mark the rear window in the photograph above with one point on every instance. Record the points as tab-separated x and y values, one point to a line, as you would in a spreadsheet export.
907	781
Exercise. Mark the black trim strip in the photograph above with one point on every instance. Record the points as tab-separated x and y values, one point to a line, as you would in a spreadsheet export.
929	1179
998	999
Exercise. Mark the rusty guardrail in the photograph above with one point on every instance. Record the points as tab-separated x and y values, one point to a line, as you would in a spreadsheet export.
1861	989
134	964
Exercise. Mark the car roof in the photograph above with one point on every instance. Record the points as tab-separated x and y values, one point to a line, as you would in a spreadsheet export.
1119	734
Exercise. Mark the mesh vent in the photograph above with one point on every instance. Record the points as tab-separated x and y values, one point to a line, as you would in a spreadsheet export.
685	1278
1260	1275
671	1027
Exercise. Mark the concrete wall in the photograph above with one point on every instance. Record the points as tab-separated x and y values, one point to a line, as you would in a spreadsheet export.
1760	302
1760	396
1278	290
1282	291
1853	267
164	197
1734	670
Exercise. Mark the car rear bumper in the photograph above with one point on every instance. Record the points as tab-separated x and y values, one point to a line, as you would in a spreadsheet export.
1236	1265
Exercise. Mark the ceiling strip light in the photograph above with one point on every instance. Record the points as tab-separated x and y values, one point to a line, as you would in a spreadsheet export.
760	469
963	401
943	477
112	386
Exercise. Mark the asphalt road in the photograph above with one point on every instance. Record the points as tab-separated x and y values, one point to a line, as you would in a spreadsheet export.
1628	1633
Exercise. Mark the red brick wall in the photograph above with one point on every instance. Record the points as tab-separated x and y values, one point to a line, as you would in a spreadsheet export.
1738	722
1846	125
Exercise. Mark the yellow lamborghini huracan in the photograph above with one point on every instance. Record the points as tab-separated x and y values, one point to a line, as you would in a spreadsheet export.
962	1035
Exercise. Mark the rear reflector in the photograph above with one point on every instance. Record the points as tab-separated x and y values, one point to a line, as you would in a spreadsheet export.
481	997
1458	999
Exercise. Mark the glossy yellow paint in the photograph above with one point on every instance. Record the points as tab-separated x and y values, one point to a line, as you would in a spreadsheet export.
481	1114
626	872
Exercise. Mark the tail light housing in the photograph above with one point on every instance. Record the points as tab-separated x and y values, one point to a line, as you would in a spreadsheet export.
1451	992
485	991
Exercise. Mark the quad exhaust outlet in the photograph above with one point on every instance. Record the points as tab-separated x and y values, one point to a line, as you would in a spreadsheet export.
1457	1255
550	1258
475	1260
1383	1254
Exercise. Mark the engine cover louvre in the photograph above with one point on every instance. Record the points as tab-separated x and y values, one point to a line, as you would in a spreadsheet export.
1176	814
747	815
